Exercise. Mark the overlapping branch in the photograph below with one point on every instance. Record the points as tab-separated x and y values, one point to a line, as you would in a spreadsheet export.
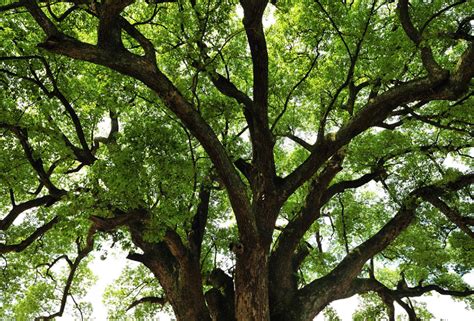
261	136
378	109
84	154
431	65
82	252
35	161
314	296
40	231
147	72
389	295
433	197
17	209
147	299
198	226
285	259
223	84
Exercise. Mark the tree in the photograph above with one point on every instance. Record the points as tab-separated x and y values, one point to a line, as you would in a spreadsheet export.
258	160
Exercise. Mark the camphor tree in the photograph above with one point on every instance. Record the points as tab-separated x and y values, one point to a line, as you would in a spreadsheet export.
258	160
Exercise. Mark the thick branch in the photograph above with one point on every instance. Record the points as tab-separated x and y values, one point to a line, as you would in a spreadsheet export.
145	71
30	239
81	254
11	6
35	161
43	21
147	299
298	226
176	246
284	259
452	214
261	136
220	298
106	224
144	42
433	68
388	295
17	209
223	84
314	296
360	286
379	108
253	13
110	33
317	294
199	222
176	269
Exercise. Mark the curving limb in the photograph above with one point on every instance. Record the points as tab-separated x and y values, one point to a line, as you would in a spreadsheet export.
147	72
17	209
378	109
147	299
313	297
431	65
35	161
39	232
390	295
82	252
451	213
83	154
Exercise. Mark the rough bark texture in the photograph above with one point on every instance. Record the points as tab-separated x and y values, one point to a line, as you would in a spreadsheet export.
251	284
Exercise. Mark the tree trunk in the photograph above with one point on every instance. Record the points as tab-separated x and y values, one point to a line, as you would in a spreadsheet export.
183	291
177	270
251	284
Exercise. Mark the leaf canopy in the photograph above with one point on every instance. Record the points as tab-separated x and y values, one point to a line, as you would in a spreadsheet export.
313	130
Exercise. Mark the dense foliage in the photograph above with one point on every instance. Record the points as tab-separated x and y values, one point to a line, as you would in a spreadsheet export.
259	160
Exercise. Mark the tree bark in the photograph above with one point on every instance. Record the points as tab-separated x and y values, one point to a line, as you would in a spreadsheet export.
178	272
251	283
